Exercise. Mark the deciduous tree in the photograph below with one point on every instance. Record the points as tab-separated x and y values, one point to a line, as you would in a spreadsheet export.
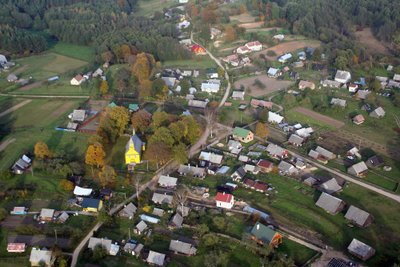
103	87
95	155
140	121
180	154
107	176
261	130
42	151
66	185
158	152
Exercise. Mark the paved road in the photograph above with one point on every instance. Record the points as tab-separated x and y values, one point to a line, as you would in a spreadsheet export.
14	108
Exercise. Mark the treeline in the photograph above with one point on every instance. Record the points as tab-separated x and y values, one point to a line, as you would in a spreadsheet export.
16	40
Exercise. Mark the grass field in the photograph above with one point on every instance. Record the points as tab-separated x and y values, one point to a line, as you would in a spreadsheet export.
80	52
148	7
198	62
293	117
35	122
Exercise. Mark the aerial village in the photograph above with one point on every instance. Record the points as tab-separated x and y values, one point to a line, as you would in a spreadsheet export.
255	151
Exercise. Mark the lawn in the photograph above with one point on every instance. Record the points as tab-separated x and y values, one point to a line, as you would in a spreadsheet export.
80	52
148	7
293	205
36	122
292	117
198	62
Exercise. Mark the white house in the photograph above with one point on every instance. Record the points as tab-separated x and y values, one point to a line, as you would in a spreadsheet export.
211	86
342	76
279	37
284	58
273	72
77	80
254	46
274	117
243	50
224	200
3	60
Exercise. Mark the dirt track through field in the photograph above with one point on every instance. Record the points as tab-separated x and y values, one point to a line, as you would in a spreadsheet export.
5	144
315	115
31	86
62	109
14	108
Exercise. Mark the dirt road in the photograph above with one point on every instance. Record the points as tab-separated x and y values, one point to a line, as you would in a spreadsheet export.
318	116
14	108
5	144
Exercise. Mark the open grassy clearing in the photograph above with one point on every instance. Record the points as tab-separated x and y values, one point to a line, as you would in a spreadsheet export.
198	62
36	122
243	18
148	7
367	39
80	52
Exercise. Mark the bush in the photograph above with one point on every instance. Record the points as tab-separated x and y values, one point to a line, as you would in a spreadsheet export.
66	185
271	53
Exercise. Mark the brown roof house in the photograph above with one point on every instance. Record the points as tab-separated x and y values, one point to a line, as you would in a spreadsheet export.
330	204
359	169
360	250
358	216
265	166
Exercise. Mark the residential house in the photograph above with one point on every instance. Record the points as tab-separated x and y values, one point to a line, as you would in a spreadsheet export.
198	50
243	50
211	86
277	152
78	115
286	168
264	235
162	199
360	250
300	164
285	58
158	212
140	228
358	216
3	59
330	204
21	165
296	140
133	107
325	153
243	158
169	81
194	171
97	73
353	153
273	72
359	169
224	200
41	258
234	147
274	117
133	150
167	181
243	135
197	103
208	158
112	249
254	46
378	113
279	37
19	211
260	186
106	193
238	175
155	258
342	76
128	211
46	215
338	102
358	119
215	33
149	219
396	77
12	78
80	191
251	169
261	103
182	248
330	83
176	221
304	132
310	181
306	84
238	95
77	80
92	204
375	161
362	94
16	247
233	59
265	166
353	87
331	186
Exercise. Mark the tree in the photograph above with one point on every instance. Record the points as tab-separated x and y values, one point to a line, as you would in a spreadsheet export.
230	34
178	130
185	86
66	185
158	152
261	130
107	176
162	135
376	85
219	222
180	198
113	123
210	240
143	66
42	151
221	72
201	230
145	89
180	154
193	129
263	115
159	89
95	156
62	263
140	121
103	87
99	253
160	118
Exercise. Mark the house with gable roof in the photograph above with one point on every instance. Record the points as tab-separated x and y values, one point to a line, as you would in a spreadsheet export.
133	150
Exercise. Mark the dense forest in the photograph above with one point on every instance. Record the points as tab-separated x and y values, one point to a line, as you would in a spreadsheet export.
105	24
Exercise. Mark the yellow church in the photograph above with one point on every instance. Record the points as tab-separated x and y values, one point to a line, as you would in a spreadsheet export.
133	150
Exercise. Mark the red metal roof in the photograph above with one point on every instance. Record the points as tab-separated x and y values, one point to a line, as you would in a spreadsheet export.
261	186
264	163
16	247
223	197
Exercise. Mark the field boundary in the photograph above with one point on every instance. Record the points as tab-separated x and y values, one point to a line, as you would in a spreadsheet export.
319	117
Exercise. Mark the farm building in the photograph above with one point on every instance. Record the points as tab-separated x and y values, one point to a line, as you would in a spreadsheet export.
358	216
224	200
342	76
179	247
261	103
78	115
330	204
360	250
243	135
359	169
265	236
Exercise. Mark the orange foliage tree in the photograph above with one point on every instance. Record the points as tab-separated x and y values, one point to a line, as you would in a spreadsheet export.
42	151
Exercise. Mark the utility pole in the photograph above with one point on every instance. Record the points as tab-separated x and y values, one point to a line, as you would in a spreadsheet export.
55	232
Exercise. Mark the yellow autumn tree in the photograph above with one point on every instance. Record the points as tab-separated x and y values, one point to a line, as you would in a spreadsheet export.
95	156
143	66
230	34
104	87
261	130
42	151
107	176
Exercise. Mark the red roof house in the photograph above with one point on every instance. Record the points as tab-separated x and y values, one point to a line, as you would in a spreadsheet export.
224	200
198	49
265	165
16	247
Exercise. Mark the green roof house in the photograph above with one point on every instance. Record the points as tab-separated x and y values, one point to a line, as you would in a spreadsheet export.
133	107
112	105
243	135
264	235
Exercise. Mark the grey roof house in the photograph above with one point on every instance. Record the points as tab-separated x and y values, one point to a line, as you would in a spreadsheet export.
331	186
155	258
377	113
358	169
162	198
296	140
330	204
176	221
358	216
286	168
128	211
182	248
360	250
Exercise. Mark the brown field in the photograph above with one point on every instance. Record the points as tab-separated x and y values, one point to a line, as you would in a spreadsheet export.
272	85
283	48
31	86
252	25
373	45
317	116
243	18
62	109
